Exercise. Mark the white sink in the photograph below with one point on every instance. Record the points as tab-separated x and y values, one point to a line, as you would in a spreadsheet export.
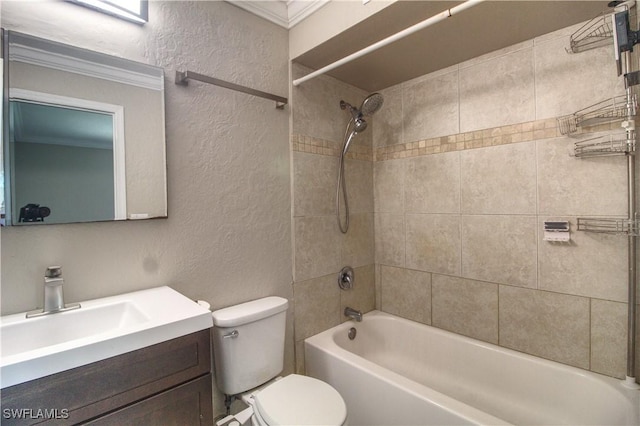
28	334
31	348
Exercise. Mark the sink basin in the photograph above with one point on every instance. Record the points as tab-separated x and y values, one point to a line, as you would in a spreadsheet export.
33	333
31	348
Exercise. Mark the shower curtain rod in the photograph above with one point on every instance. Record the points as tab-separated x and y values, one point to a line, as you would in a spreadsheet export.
183	76
395	37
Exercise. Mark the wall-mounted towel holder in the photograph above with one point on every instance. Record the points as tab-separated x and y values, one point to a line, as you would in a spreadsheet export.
182	78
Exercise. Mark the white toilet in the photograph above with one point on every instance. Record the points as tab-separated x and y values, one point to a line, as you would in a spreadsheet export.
248	348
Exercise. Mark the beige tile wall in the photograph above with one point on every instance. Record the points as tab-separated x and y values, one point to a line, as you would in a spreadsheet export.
406	293
498	90
466	307
463	184
433	243
608	337
449	190
320	250
551	325
500	249
509	180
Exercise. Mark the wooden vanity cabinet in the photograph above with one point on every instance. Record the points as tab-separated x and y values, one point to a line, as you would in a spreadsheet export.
164	384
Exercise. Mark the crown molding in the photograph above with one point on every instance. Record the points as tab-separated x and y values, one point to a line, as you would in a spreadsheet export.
284	13
299	9
62	57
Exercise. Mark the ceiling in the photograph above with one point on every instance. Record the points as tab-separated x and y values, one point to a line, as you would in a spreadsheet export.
487	27
54	125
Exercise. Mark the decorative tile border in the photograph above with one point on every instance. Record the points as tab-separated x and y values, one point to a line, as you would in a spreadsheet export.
514	133
311	145
522	132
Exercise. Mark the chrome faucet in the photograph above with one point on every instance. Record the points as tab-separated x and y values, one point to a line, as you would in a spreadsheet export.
53	295
353	314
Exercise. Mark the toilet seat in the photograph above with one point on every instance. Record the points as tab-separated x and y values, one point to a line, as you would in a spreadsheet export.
300	400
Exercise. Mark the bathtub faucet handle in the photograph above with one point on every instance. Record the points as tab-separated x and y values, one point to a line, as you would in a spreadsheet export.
353	314
346	278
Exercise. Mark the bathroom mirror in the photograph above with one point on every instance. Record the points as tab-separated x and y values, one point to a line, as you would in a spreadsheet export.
83	135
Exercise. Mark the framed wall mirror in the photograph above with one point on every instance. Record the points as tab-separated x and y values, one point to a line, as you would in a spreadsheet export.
83	135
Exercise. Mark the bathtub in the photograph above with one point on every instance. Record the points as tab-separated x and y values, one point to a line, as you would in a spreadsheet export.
400	372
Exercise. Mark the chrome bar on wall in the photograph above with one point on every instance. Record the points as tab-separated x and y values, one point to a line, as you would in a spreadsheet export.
632	242
182	78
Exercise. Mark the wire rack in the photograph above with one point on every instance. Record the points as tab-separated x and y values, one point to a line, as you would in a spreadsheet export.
595	33
610	110
613	144
608	225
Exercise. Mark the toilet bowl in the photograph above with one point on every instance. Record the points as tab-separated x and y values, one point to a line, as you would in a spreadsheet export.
248	347
296	400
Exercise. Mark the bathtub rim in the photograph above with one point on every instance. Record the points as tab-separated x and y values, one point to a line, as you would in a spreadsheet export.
324	340
464	411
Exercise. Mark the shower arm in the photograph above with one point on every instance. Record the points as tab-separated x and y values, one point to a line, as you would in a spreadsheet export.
356	114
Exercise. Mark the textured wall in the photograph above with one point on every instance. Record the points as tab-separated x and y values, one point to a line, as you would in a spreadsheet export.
228	235
469	164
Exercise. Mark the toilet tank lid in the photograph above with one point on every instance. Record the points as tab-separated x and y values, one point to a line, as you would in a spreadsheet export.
247	312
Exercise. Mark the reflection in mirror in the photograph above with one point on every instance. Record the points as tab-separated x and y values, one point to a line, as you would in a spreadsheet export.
84	136
51	146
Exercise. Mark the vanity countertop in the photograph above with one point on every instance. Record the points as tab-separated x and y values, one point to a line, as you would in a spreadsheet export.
102	328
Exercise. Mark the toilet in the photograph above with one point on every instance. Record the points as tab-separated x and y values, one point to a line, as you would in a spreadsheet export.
248	350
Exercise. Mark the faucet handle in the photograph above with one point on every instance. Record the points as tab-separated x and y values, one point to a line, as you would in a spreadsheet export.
53	272
346	278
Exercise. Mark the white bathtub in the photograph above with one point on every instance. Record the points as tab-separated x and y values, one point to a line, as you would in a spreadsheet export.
399	372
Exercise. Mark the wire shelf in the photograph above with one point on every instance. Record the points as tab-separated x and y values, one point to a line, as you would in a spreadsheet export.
595	33
608	111
608	226
607	145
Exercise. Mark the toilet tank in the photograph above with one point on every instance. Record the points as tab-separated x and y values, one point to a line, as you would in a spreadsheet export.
248	343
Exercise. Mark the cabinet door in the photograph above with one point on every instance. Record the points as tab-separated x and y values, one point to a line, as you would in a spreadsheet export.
74	396
186	405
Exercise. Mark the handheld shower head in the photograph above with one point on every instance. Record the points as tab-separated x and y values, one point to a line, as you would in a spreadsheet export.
359	124
371	104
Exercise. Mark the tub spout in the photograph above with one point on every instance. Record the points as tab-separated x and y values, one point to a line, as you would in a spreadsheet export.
353	314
